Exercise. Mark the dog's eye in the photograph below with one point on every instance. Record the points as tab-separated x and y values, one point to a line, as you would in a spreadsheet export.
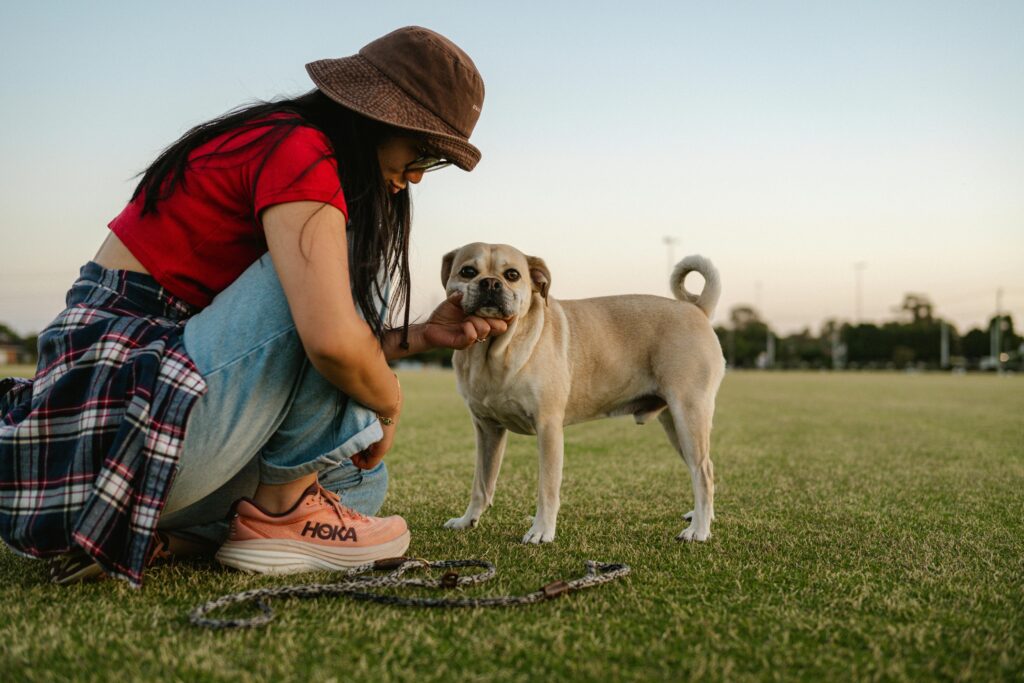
468	271
511	274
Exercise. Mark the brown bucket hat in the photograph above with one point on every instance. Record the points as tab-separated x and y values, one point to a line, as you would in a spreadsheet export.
415	79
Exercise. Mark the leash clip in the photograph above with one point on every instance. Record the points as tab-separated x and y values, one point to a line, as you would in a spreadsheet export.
390	562
555	588
449	580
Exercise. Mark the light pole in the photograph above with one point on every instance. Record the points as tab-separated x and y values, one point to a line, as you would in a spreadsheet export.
858	269
670	244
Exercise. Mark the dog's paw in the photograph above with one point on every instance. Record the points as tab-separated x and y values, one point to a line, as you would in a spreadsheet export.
461	523
689	516
691	533
539	534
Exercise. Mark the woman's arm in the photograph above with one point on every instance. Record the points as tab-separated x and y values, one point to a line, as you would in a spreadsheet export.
308	247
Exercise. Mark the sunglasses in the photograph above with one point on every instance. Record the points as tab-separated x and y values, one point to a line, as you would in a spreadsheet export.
427	161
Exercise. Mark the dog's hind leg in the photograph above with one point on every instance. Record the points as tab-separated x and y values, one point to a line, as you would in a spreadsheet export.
687	424
490	450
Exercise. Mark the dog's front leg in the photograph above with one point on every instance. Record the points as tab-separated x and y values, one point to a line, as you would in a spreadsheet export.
490	449
551	452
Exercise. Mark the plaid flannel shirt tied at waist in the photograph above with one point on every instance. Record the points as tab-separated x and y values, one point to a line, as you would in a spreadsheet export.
88	448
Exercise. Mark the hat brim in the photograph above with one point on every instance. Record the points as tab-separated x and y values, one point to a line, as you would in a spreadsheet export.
355	83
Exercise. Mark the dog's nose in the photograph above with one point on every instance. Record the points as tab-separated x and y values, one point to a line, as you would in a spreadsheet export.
490	284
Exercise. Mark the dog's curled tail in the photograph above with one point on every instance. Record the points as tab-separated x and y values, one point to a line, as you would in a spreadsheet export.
708	297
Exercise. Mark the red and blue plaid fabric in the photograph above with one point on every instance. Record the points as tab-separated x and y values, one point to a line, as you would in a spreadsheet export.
89	447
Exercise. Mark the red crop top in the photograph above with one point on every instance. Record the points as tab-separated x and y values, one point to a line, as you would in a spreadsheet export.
208	231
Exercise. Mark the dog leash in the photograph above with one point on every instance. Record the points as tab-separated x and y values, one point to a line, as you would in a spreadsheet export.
356	585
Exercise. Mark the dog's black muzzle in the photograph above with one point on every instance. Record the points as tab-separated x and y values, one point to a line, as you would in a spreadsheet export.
491	293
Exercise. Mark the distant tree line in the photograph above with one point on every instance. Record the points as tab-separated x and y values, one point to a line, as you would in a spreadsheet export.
913	341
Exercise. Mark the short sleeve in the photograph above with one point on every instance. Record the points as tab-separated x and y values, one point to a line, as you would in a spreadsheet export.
301	168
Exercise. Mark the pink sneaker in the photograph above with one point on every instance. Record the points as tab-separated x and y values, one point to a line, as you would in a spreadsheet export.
317	533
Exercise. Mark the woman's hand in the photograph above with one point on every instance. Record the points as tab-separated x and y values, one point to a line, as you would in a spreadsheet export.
450	327
371	457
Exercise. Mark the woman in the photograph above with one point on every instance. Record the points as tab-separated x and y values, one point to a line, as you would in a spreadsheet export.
226	349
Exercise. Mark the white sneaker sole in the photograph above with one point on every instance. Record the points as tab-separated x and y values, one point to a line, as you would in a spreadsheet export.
279	556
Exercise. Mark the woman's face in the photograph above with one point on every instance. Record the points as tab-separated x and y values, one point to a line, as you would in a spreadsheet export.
394	155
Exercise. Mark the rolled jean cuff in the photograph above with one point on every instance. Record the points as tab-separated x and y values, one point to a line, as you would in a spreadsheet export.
361	429
362	490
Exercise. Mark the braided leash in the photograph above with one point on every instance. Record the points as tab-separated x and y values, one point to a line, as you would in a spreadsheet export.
356	586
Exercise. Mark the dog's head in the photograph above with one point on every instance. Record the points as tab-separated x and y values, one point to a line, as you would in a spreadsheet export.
496	280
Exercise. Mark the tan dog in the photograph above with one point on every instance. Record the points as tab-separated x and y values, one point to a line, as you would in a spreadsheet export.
566	362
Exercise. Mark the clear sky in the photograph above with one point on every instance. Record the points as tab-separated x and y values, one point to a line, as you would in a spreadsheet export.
787	141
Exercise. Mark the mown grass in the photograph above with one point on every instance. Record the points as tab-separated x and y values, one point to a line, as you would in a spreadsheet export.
869	527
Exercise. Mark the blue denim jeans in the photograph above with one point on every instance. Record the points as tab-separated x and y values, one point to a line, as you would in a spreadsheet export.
267	415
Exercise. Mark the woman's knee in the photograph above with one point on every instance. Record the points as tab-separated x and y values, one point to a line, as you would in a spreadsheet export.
250	314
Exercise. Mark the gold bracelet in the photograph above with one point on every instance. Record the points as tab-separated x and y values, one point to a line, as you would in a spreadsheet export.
388	421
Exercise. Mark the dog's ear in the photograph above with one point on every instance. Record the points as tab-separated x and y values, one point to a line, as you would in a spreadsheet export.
540	275
446	266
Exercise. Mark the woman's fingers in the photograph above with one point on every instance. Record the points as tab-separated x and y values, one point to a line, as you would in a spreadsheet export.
484	328
370	458
469	335
480	326
497	325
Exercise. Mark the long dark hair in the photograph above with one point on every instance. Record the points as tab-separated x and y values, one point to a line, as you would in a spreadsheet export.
379	222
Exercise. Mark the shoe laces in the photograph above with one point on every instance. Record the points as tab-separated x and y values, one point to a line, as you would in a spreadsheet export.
334	500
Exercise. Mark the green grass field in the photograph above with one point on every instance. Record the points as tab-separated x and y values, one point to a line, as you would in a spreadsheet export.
869	527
